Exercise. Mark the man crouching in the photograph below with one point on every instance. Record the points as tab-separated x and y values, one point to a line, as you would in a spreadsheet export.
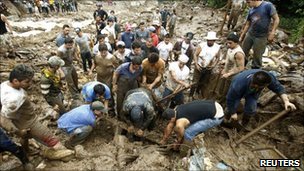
190	119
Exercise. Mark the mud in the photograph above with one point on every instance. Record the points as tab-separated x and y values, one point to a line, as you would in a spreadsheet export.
34	41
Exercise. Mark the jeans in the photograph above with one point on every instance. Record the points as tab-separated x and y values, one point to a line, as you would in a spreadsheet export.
200	126
86	57
6	144
71	78
258	45
56	100
80	134
249	108
178	98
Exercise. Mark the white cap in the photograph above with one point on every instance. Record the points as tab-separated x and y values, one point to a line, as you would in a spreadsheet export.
156	22
120	43
151	29
211	36
183	58
104	32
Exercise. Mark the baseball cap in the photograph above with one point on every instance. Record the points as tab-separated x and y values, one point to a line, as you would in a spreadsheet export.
233	37
111	19
189	35
183	58
97	105
151	29
55	61
121	43
77	30
99	4
128	27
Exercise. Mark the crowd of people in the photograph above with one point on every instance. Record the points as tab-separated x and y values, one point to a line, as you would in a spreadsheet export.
137	67
50	6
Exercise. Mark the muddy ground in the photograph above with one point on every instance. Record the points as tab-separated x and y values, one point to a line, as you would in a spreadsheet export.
103	151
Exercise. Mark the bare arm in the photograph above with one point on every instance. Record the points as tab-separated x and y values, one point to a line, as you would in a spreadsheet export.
114	81
92	67
168	130
240	60
180	130
195	57
276	21
286	102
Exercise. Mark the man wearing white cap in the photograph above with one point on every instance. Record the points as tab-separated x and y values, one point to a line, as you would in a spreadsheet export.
121	52
177	78
101	39
205	58
153	35
185	47
51	83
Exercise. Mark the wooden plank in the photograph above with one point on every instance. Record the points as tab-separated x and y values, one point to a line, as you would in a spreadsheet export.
266	98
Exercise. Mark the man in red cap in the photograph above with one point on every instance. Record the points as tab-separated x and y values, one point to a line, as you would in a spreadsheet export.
128	37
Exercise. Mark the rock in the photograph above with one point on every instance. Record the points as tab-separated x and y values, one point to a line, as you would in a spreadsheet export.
295	130
41	166
80	152
281	36
120	140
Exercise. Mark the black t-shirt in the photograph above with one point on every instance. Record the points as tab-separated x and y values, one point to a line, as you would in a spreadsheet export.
103	14
196	110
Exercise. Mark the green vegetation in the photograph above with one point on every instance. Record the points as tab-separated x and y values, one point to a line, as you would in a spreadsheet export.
291	15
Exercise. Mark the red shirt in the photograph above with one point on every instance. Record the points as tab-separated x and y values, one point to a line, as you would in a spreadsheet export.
155	39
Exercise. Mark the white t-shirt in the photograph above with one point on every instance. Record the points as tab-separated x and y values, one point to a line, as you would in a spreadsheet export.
111	30
96	48
11	99
181	74
164	49
185	47
207	54
83	42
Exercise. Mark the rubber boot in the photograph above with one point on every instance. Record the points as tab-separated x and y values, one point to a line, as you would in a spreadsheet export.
245	122
20	153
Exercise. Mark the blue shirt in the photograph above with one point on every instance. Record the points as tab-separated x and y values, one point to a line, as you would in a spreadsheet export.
240	87
124	71
60	40
260	18
78	117
88	91
128	38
